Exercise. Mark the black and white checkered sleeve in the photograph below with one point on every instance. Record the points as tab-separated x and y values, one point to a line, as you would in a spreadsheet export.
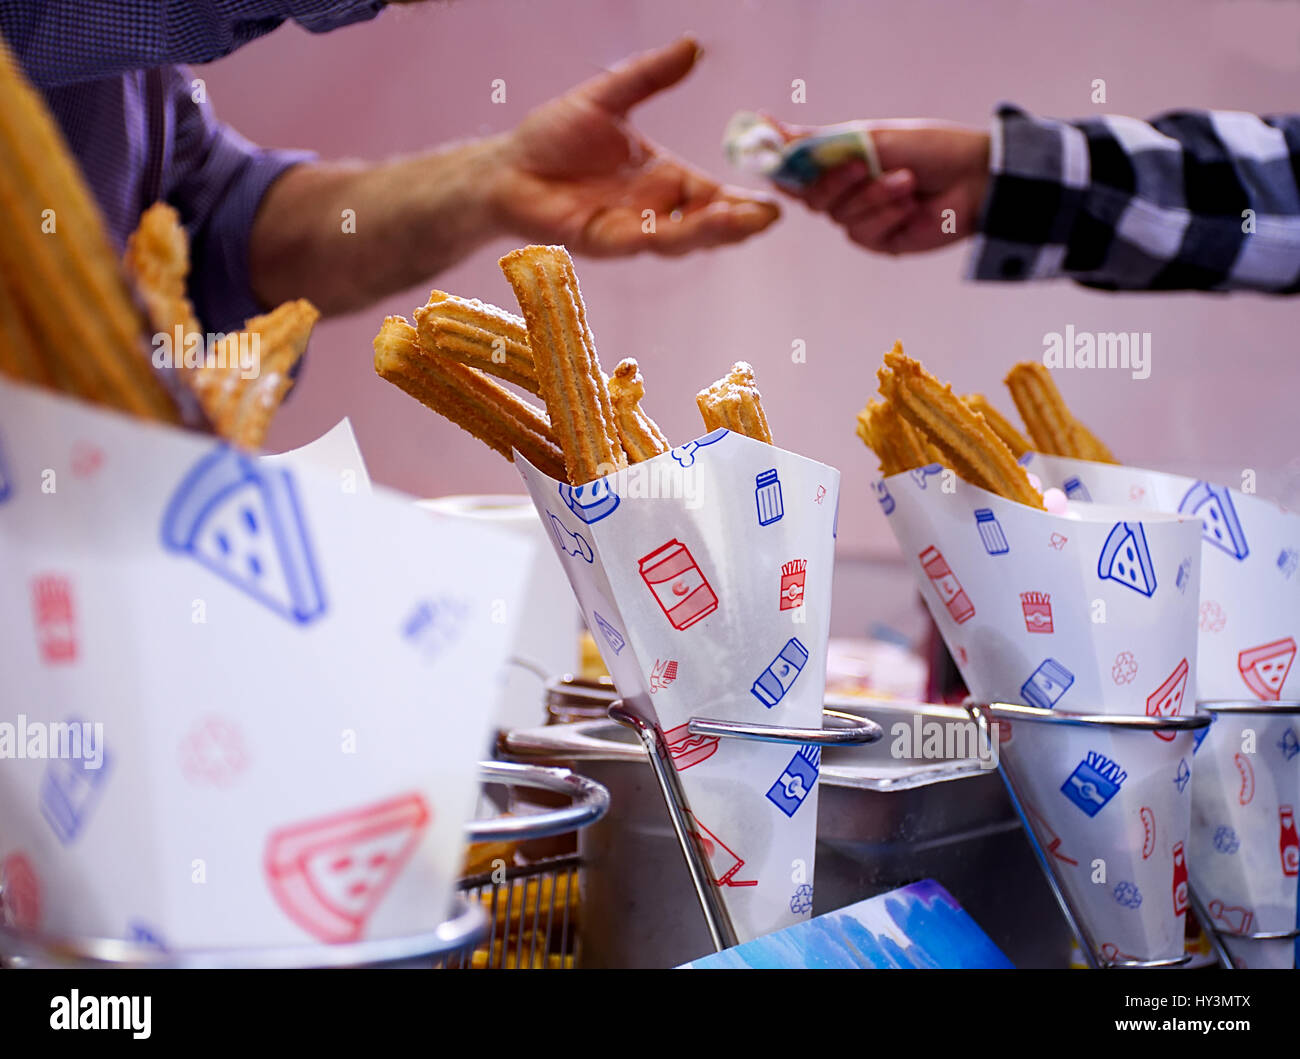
1192	200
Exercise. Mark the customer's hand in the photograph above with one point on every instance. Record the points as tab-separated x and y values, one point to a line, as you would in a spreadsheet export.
576	172
927	167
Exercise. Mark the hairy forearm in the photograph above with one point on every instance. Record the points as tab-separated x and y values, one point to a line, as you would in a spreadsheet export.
409	219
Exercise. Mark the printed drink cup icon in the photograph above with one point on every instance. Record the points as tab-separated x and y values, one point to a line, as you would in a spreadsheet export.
947	585
1289	843
1180	880
680	587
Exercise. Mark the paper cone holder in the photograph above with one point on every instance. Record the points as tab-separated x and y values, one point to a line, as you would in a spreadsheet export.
851	731
1217	934
986	713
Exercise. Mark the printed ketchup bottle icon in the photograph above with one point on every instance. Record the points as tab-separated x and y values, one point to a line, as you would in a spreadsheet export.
1289	843
678	583
1180	880
947	585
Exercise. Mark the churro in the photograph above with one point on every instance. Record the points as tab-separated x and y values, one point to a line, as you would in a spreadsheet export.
478	335
967	442
157	261
734	402
569	377
637	432
897	445
59	266
19	355
1052	426
467	397
1000	424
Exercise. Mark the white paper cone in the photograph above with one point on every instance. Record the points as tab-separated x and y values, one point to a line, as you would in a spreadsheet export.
1245	852
293	694
1110	808
1250	571
705	575
1089	612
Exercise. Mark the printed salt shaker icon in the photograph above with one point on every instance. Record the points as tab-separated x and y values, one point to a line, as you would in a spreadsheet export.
678	583
1289	844
767	497
1180	880
947	585
1075	489
776	679
990	530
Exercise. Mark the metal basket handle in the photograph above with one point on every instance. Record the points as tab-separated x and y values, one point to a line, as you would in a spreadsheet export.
590	803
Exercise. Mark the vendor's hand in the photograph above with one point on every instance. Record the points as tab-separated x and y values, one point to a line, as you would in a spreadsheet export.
927	167
575	172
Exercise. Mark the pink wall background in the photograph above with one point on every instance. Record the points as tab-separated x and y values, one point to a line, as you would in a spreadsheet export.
1221	393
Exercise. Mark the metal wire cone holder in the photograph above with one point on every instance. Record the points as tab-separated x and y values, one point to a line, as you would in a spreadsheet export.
986	713
850	730
1217	934
464	928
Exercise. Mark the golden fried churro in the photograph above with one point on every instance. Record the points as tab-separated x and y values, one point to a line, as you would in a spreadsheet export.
1000	424
897	445
19	356
478	335
1048	418
467	397
734	402
639	434
157	260
967	442
59	267
569	377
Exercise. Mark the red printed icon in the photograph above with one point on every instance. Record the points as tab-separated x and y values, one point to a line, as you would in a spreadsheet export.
20	893
214	753
1180	880
330	874
56	628
1237	919
1264	668
1247	772
1148	832
1057	541
1289	844
87	458
792	583
723	863
663	674
1212	617
821	494
1124	669
946	584
1136	492
686	749
1167	699
1112	953
1037	608
1042	828
678	583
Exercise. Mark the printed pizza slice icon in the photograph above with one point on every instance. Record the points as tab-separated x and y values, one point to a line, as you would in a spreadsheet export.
1167	700
241	519
1126	558
1265	668
1212	504
330	874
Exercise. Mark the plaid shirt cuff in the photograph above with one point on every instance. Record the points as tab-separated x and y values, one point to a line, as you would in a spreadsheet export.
1194	200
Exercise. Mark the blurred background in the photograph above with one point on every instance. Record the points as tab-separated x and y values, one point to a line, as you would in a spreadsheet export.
1217	400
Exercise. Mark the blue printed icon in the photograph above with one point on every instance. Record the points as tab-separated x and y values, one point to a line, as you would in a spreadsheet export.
436	624
990	531
1183	776
72	785
574	544
1126	558
801	900
921	475
1046	684
1075	489
1289	744
591	502
767	498
142	934
685	454
1127	894
612	636
1212	504
884	497
1226	840
794	785
1287	561
242	520
775	680
835	525
1198	736
6	478
1184	576
1093	783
